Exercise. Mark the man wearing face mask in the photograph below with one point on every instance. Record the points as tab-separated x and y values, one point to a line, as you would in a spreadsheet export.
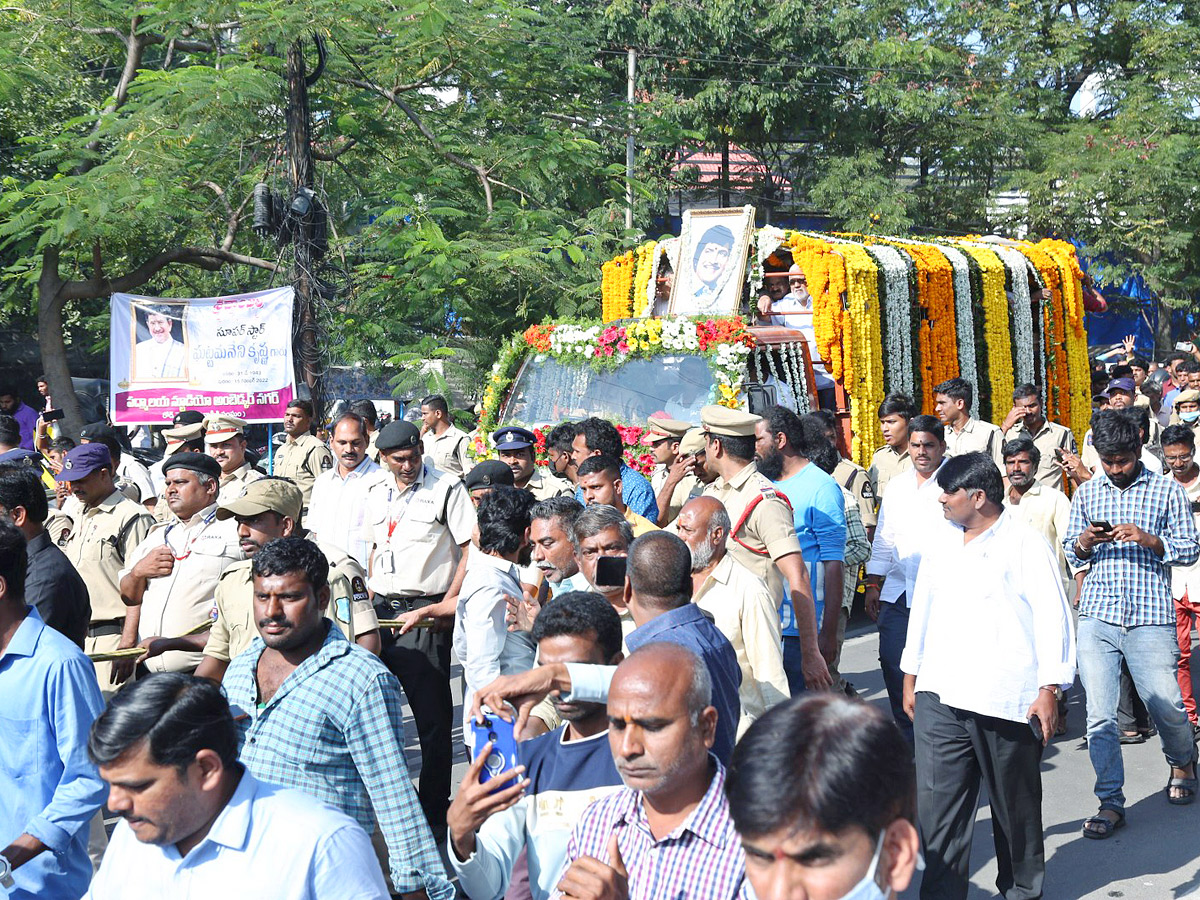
1187	409
824	778
984	710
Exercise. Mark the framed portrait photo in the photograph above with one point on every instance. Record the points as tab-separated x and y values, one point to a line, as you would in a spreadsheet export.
159	351
712	262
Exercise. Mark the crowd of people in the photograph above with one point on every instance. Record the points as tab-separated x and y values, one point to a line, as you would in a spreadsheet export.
221	657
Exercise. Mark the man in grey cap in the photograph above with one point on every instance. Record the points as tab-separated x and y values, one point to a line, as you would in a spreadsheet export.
517	448
420	520
172	575
270	509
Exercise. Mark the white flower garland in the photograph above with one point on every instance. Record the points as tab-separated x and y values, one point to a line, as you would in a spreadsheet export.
964	323
897	308
1022	315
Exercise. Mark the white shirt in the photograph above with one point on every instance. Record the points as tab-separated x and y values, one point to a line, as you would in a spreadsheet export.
267	842
794	311
907	518
990	623
165	360
481	630
132	470
337	508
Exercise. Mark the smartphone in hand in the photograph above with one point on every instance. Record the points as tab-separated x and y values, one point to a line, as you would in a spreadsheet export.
1102	526
503	754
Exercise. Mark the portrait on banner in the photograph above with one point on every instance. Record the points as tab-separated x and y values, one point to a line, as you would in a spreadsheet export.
159	342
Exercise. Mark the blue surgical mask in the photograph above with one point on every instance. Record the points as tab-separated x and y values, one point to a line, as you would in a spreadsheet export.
1190	417
868	889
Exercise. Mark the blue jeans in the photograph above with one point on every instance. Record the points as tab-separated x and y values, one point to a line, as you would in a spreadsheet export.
1151	652
793	657
893	634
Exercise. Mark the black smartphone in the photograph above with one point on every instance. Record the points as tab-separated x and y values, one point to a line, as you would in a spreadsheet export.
1035	725
52	415
1058	453
1102	525
610	571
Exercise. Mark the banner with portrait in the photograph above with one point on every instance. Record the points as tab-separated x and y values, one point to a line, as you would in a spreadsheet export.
712	262
215	354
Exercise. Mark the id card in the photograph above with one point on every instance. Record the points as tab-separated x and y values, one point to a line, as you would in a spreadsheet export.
385	562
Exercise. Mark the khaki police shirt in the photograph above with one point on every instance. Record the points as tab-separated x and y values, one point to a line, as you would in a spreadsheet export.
173	604
448	450
855	479
977	436
417	533
234	628
98	543
545	486
234	484
768	533
684	491
302	460
1051	436
886	464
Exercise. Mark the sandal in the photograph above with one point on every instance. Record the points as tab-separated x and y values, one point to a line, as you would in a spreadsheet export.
1187	785
1099	827
1132	737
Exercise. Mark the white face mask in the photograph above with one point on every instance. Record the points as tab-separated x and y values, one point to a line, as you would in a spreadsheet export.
1190	417
868	889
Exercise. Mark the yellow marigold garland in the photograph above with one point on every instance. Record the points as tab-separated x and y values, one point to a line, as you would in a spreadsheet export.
996	326
864	382
616	287
826	275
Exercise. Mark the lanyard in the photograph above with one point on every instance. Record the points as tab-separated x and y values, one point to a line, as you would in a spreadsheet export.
187	549
405	499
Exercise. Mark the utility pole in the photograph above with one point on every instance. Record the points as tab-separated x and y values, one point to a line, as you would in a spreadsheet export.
300	169
724	197
629	141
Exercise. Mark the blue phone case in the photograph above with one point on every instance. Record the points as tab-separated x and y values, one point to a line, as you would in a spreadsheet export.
503	755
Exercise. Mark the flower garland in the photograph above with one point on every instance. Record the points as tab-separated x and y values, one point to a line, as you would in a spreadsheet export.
964	321
897	309
936	337
996	326
644	279
1022	314
1078	386
616	287
864	382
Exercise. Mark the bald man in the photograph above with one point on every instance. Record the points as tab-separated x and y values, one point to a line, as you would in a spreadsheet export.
662	725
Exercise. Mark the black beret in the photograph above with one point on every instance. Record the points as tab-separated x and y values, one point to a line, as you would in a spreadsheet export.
187	417
97	431
397	436
489	473
200	463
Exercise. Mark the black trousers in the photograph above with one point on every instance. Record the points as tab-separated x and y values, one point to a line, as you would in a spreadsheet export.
421	662
955	751
893	635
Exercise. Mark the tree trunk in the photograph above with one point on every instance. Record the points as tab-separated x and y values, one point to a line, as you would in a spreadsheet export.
52	345
1163	339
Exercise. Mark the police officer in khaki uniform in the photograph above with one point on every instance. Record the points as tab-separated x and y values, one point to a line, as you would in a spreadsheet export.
270	509
443	442
172	574
763	535
181	439
302	457
225	441
420	520
663	437
107	527
516	447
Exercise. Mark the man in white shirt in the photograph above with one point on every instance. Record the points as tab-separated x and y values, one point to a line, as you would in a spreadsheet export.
952	403
195	823
741	607
906	520
482	642
984	709
160	356
337	506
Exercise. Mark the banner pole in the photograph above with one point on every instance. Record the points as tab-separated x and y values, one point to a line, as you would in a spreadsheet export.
270	448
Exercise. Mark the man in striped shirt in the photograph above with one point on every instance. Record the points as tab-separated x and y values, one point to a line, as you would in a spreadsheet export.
1130	525
668	831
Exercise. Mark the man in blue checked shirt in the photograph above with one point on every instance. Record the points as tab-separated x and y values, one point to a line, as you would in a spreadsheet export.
1130	526
318	713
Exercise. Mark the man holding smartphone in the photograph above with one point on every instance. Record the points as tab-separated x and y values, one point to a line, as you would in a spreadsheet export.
1130	525
983	710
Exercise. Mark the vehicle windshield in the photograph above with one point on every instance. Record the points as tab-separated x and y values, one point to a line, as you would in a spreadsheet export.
548	391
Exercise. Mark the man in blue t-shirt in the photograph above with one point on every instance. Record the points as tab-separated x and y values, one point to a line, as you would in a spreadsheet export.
572	764
783	445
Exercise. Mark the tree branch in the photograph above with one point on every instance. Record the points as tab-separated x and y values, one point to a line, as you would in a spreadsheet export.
332	155
208	258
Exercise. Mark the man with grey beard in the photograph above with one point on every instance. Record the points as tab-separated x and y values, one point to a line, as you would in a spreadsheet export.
740	605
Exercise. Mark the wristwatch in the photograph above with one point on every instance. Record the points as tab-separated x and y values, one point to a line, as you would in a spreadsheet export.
6	879
1054	689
